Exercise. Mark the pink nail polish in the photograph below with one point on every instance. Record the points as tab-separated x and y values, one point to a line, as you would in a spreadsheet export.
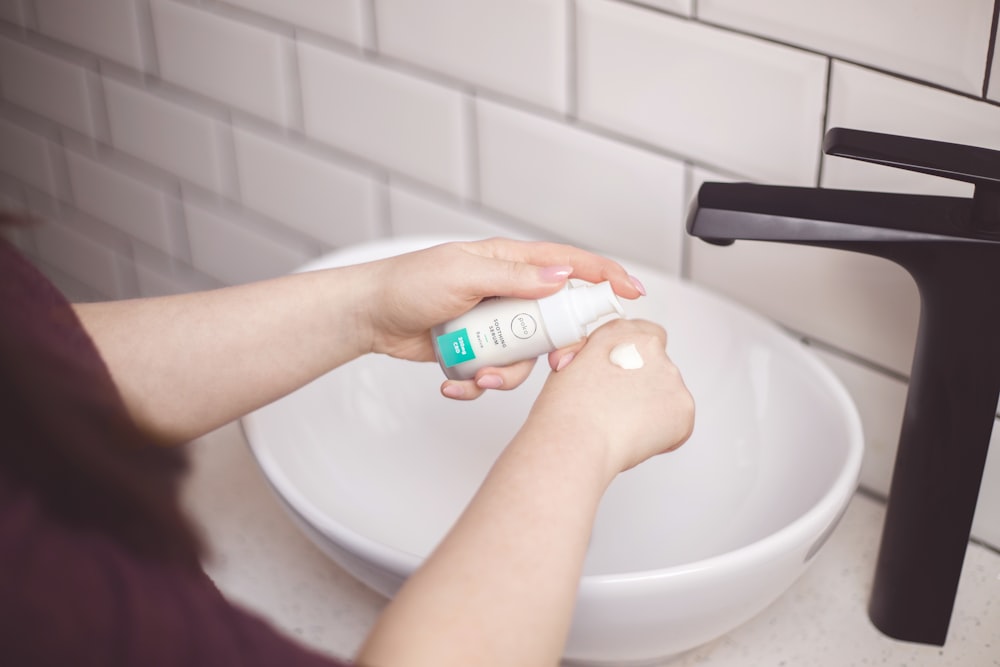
555	274
564	361
638	285
453	391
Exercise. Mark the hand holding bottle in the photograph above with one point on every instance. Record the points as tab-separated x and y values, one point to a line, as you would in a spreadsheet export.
411	293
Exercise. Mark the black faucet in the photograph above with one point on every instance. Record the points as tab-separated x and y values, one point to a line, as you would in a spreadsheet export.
951	248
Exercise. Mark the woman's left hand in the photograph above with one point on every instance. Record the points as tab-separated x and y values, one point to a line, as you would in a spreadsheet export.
412	293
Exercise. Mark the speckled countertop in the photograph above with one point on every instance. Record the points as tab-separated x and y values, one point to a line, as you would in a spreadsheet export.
262	561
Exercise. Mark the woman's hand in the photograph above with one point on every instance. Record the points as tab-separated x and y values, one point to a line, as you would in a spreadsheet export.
633	413
412	293
500	588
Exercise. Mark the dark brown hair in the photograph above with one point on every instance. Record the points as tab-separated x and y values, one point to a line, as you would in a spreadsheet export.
65	435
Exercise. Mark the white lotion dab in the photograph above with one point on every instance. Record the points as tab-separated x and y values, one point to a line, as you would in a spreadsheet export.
626	356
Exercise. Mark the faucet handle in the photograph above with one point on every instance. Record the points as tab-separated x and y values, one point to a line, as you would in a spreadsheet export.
980	166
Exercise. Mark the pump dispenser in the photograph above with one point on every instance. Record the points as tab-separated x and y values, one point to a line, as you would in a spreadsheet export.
502	331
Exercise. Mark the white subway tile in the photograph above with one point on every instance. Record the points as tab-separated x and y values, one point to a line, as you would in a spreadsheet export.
730	101
47	85
159	275
684	7
12	203
517	47
109	28
866	100
25	156
127	204
315	196
862	304
596	192
343	19
226	248
940	42
83	259
235	63
71	288
153	283
404	123
413	214
880	400
168	135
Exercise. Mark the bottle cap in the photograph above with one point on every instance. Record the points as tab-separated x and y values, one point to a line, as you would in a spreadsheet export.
571	310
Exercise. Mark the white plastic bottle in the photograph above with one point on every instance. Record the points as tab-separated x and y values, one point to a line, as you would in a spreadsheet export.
501	331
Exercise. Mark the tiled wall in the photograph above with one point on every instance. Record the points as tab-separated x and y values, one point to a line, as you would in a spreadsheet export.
182	144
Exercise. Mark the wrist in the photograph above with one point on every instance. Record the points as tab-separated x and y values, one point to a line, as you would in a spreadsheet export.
345	296
573	444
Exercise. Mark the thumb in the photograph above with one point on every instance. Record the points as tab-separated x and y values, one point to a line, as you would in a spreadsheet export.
559	359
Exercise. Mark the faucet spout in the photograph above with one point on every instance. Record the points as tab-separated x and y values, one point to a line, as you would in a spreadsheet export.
951	248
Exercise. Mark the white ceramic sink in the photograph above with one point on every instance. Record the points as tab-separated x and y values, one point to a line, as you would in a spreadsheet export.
374	465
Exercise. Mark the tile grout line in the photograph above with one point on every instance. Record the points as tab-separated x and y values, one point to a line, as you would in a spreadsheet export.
991	49
224	134
383	204
294	105
369	27
98	103
852	357
147	39
572	66
30	16
825	122
473	176
687	188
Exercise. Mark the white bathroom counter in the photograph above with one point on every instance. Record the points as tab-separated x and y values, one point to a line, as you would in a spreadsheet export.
262	561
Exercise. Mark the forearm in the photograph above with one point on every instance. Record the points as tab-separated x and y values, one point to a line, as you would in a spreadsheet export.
501	587
189	363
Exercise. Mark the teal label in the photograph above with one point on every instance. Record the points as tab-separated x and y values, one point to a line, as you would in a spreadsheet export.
455	348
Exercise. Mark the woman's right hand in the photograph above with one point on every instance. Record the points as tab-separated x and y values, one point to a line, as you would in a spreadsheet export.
636	413
512	562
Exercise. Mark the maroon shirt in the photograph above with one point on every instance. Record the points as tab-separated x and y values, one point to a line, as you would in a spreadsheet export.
97	564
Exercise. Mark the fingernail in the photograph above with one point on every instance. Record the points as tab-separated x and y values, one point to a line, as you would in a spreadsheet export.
453	391
638	285
554	274
490	382
564	361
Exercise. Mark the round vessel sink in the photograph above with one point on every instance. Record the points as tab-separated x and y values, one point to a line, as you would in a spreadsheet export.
374	466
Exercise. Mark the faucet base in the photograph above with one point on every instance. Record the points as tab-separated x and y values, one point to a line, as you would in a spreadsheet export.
950	411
